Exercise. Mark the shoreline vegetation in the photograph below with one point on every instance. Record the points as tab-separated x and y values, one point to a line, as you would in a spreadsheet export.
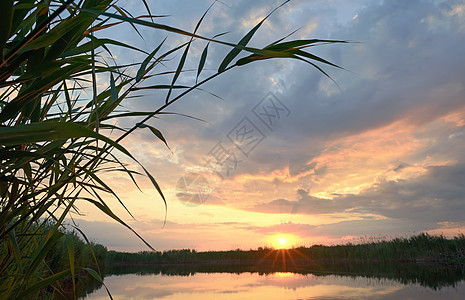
420	249
429	260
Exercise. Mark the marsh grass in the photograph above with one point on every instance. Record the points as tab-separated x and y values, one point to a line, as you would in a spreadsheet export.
57	131
84	251
421	248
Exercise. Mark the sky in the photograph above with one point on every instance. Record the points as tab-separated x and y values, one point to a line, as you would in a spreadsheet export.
284	152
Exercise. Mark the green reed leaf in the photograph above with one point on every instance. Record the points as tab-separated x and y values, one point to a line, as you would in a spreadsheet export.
70	246
156	132
143	66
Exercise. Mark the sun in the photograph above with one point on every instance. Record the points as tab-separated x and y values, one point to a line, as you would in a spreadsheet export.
283	241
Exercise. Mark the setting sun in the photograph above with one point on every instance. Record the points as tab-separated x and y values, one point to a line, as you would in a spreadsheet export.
283	241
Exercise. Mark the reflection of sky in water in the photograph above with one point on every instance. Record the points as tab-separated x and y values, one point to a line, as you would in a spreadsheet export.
275	286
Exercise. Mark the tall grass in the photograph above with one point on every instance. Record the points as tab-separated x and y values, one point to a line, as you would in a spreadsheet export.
55	120
84	252
421	248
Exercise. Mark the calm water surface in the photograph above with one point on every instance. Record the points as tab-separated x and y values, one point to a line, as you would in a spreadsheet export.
280	286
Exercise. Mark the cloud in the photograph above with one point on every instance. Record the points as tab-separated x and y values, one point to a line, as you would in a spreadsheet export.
368	227
289	227
401	76
435	197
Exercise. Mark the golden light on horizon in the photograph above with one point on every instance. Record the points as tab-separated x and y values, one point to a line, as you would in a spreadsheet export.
283	241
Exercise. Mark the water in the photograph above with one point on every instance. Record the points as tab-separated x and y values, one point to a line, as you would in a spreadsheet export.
280	285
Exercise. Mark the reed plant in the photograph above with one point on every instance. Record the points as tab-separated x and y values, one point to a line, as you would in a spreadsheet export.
55	120
422	248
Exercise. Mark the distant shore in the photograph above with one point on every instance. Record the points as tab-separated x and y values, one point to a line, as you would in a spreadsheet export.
419	249
432	261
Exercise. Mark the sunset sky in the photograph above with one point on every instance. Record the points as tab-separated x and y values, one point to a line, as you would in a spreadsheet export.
379	154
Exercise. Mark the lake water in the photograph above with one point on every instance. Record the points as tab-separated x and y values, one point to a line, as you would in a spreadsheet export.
280	285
